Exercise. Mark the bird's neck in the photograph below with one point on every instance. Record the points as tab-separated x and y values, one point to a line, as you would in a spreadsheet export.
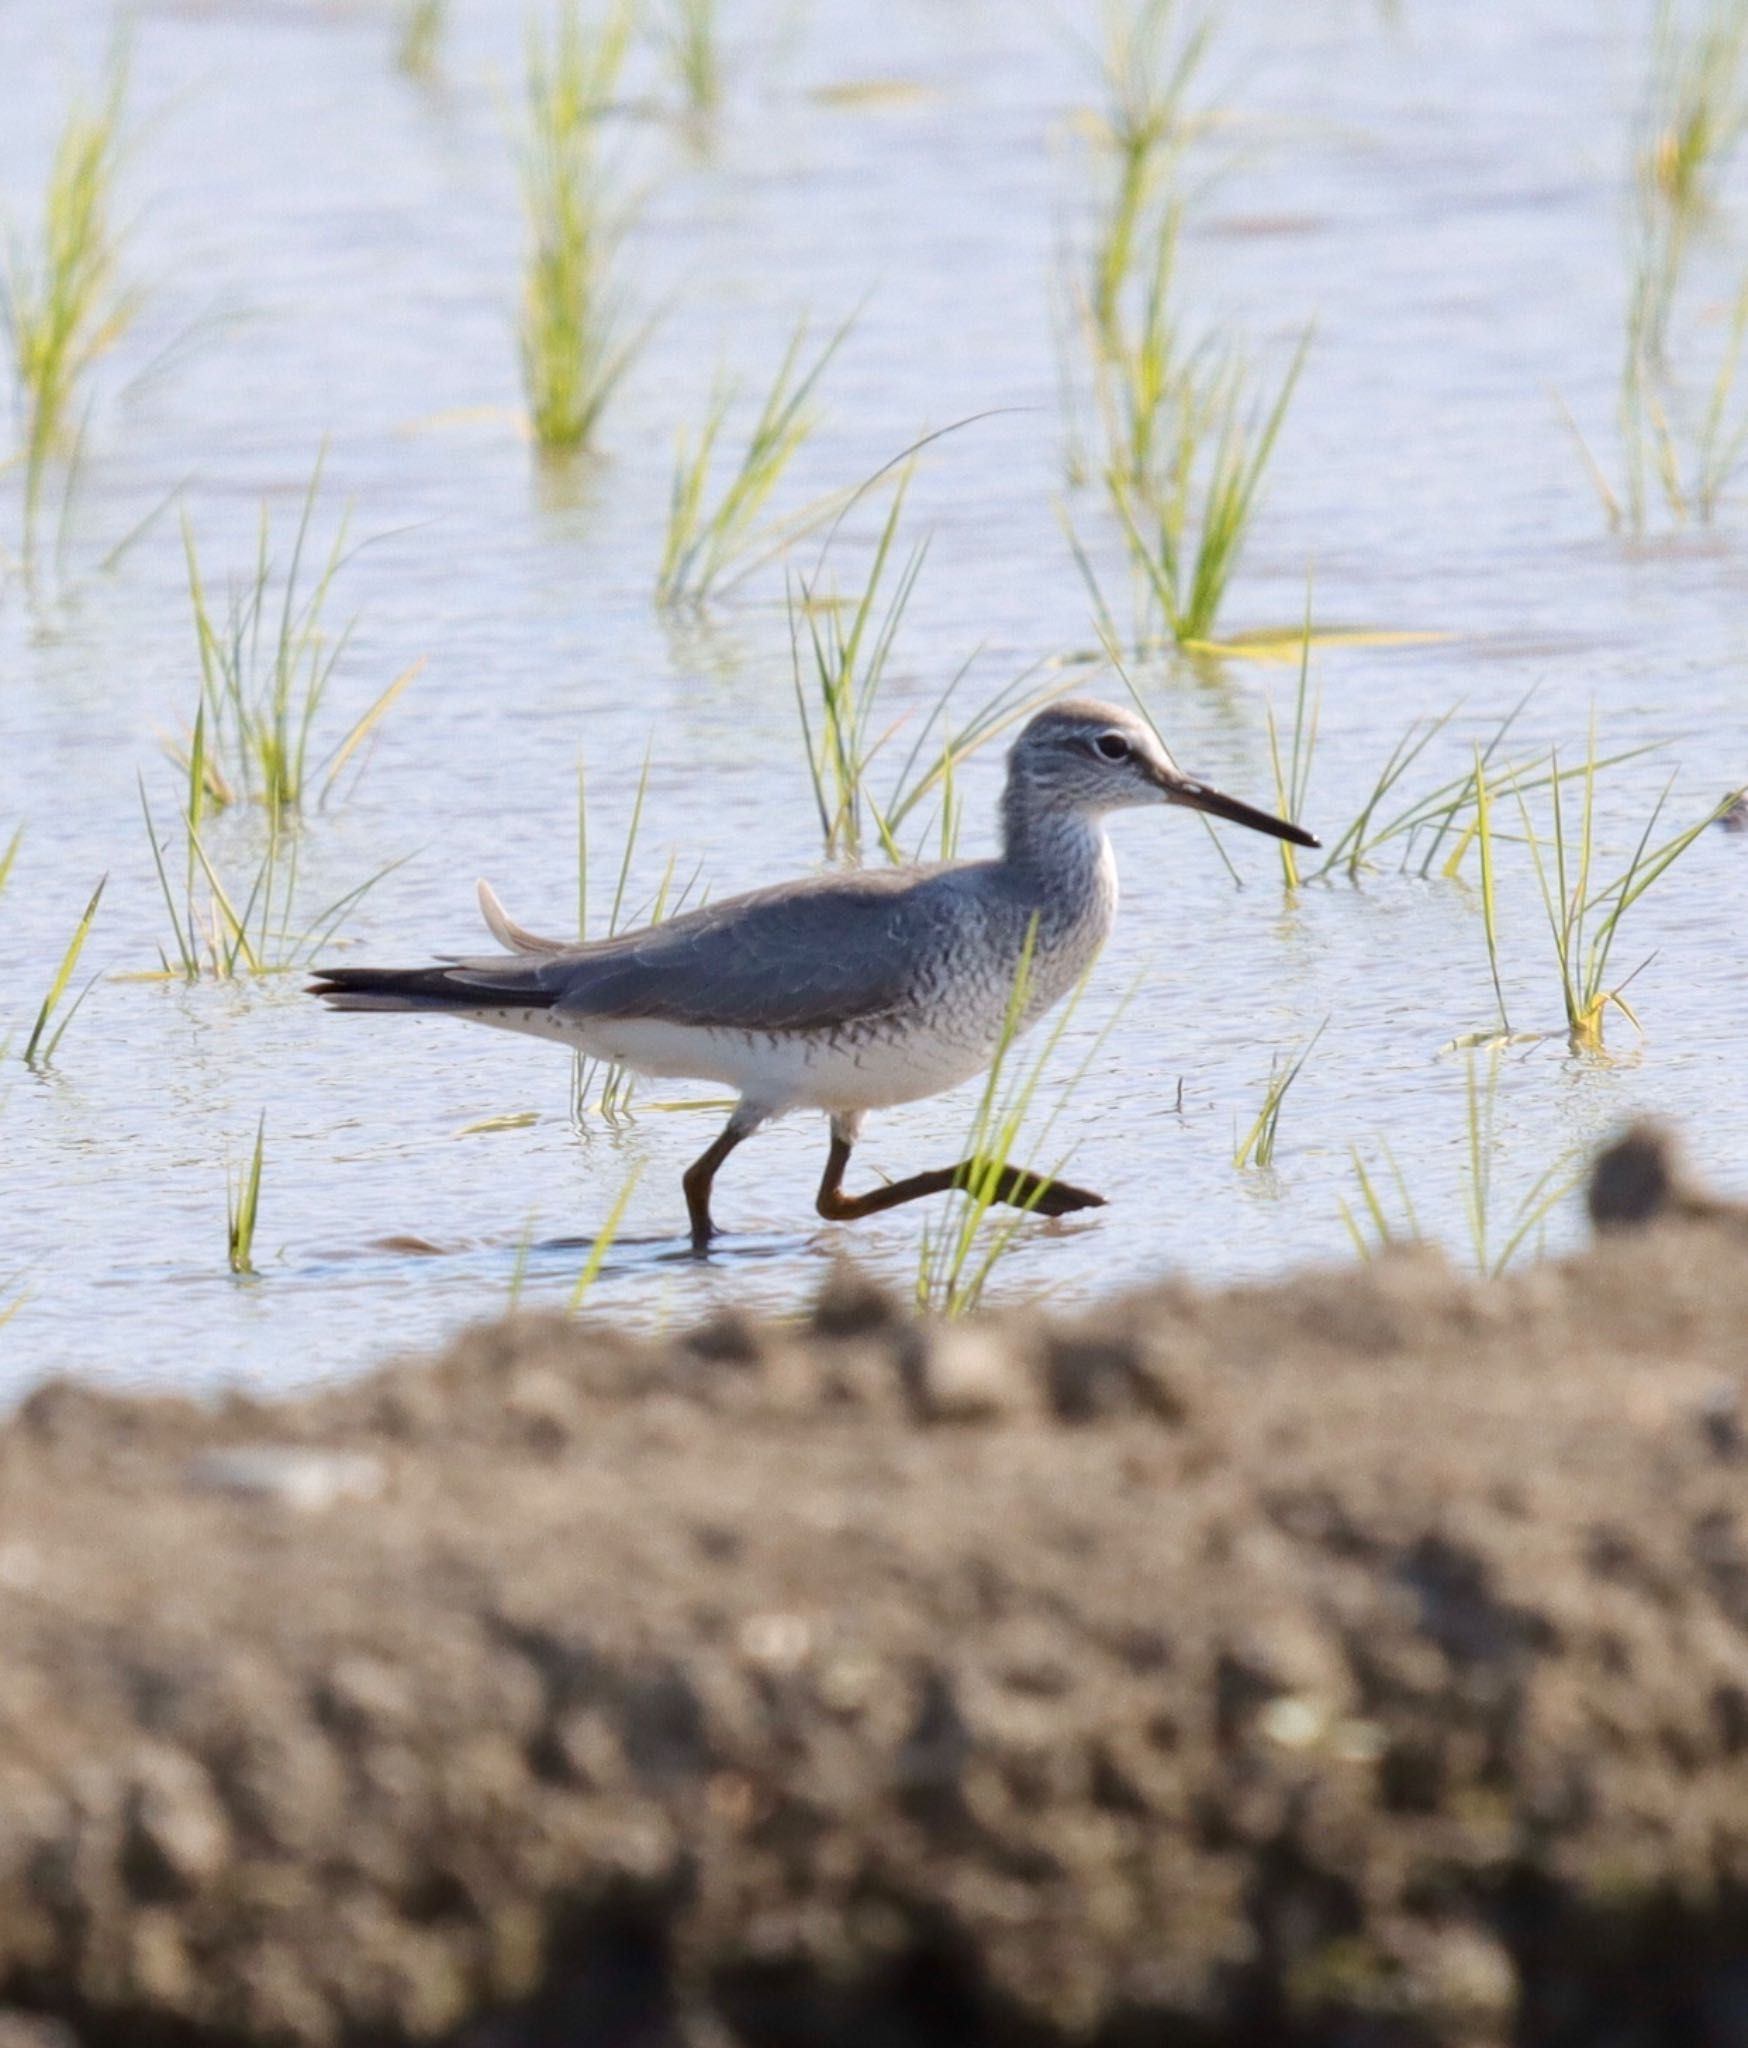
1063	855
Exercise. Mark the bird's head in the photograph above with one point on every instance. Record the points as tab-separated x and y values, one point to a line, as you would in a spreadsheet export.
1091	758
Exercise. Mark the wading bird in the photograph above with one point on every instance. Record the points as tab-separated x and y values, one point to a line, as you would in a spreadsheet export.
845	992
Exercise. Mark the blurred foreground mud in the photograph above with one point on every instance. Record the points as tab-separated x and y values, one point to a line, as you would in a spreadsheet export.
1358	1660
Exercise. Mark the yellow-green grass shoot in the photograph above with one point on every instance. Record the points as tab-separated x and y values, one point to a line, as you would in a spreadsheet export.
848	644
845	662
1257	1146
1690	123
1695	108
958	1255
64	302
603	1242
1187	522
421	34
1372	1227
43	1042
1293	776
574	345
266	665
705	539
10	1308
1138	374
1584	917
223	933
9	857
1549	1189
243	1204
1489	898
1424	824
1670	455
690	36
1150	58
930	768
519	1271
1378	1224
605	1087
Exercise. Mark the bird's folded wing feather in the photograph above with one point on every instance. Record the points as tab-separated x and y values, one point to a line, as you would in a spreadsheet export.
802	957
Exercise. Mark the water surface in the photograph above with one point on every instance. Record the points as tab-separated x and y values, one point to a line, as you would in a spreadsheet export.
330	253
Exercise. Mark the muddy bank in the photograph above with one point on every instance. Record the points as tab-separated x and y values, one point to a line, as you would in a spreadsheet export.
1358	1660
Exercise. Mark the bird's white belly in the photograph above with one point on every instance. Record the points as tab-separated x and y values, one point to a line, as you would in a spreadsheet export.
865	1069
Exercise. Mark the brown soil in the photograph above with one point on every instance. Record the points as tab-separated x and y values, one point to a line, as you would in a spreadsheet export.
1361	1660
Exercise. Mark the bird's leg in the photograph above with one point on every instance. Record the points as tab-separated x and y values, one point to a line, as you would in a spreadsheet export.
1014	1185
700	1175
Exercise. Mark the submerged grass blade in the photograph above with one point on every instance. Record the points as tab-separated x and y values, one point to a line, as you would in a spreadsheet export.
1293	782
40	1048
243	1204
603	1242
267	662
421	33
690	36
1257	1146
1187	519
574	344
63	304
957	1257
703	543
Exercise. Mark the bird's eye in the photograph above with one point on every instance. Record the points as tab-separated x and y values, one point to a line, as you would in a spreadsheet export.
1112	746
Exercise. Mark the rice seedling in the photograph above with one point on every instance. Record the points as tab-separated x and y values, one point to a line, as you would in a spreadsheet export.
603	1242
703	541
1696	107
1447	813
689	33
8	1309
64	303
574	346
519	1271
929	770
1257	1146
604	1087
847	662
1373	1229
1150	58
222	932
422	23
1674	448
243	1205
267	663
1292	779
43	1043
1187	522
1584	917
1545	1193
848	646
1139	373
958	1255
1494	1240
1673	452
1489	896
9	858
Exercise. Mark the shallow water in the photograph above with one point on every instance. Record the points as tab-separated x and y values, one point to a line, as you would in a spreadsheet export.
331	250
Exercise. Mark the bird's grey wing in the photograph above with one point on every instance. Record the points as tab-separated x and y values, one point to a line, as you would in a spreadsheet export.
802	957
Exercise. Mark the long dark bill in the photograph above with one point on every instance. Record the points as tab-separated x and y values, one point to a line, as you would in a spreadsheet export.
1199	797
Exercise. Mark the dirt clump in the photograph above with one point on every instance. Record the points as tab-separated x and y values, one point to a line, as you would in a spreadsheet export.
1356	1660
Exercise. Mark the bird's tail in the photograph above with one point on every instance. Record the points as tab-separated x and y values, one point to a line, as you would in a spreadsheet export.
475	986
467	986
